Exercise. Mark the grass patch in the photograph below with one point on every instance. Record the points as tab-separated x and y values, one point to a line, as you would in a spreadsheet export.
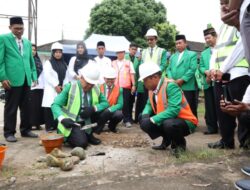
48	174
199	155
201	106
7	172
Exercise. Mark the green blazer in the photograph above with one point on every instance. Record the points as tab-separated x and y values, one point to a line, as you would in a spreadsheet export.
62	99
139	85
13	66
184	69
174	97
119	103
204	65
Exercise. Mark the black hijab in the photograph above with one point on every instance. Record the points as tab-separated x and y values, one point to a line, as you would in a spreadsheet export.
39	65
81	59
60	66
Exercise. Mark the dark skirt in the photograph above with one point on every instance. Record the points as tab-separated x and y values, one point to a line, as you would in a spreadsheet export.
36	110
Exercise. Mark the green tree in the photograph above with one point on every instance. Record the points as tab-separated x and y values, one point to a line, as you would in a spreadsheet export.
167	35
132	19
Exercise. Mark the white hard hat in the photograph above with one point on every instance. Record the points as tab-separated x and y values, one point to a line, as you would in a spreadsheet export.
56	45
110	73
151	32
120	49
147	69
90	72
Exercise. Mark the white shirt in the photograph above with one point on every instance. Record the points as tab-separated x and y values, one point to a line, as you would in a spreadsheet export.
243	7
19	42
153	50
180	56
156	91
246	97
237	54
102	63
71	74
70	70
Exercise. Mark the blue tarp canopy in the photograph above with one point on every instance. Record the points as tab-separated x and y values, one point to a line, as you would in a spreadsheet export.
71	49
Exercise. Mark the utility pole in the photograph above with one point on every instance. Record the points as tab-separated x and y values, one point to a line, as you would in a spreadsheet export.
32	20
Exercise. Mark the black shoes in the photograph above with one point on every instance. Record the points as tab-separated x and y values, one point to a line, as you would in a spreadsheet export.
29	134
246	170
98	129
242	184
210	132
220	145
178	151
163	146
50	129
11	138
93	140
113	130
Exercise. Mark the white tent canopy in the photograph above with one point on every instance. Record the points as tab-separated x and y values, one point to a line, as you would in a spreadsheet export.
112	43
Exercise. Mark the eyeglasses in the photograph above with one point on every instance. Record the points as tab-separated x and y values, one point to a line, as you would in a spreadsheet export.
151	39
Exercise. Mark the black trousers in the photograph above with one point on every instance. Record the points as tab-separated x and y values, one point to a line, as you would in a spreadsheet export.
128	102
50	122
77	138
210	110
236	89
172	129
140	104
36	111
16	97
244	127
113	117
191	97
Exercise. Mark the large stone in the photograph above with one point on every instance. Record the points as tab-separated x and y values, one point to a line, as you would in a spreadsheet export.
75	159
80	152
59	154
52	161
67	164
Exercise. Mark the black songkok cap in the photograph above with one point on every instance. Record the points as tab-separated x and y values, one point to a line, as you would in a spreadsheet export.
16	20
180	37
209	31
100	43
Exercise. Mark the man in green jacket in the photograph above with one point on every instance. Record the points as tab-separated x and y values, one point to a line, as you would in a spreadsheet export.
17	71
131	56
80	104
182	69
155	54
114	95
167	112
210	36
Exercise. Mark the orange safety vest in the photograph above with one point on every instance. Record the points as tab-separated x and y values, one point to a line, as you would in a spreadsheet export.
162	104
113	97
124	78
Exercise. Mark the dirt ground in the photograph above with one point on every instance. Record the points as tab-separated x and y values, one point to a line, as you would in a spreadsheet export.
128	163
